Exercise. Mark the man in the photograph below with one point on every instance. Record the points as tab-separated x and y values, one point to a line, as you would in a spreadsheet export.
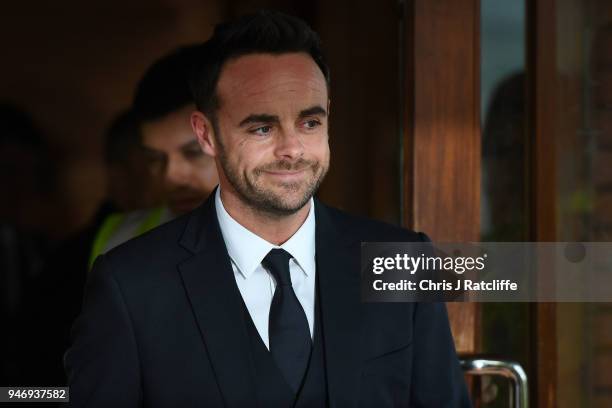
54	300
25	180
254	298
186	175
129	186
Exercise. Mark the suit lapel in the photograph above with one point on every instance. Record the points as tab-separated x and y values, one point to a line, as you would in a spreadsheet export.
216	302
215	299
339	292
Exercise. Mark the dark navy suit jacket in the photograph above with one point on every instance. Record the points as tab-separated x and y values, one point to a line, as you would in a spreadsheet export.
162	325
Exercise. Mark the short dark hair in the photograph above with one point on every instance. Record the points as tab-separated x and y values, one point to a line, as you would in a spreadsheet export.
268	32
164	88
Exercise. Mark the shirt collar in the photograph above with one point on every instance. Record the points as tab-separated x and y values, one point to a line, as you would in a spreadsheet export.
247	249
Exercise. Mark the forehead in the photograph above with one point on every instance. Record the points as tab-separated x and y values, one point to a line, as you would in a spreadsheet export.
267	79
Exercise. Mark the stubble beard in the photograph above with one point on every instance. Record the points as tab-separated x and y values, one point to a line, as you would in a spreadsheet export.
268	201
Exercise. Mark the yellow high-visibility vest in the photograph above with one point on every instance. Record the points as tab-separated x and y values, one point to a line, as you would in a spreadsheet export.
106	236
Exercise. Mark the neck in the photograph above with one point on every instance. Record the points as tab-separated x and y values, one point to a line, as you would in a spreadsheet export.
274	228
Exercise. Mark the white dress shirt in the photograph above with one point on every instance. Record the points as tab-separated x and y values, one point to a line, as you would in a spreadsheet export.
256	284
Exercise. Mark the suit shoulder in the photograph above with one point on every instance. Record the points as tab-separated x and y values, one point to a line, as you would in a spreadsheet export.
153	247
367	229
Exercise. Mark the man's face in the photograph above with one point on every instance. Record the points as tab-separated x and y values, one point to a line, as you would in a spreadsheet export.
272	142
188	174
130	184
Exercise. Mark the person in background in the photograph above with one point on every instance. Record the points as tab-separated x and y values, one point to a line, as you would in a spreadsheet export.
156	171
26	180
162	105
54	300
129	186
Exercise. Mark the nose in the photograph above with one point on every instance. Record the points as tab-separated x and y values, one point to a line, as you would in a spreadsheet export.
289	145
178	171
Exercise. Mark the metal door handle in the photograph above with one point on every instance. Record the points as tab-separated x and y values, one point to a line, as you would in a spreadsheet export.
512	370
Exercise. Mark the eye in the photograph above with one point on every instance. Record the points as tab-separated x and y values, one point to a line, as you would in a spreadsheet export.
262	130
311	123
156	162
153	157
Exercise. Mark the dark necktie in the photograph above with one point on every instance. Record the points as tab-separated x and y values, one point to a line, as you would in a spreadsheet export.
288	331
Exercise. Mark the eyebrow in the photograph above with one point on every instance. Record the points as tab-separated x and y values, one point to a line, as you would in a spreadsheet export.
313	111
259	118
265	118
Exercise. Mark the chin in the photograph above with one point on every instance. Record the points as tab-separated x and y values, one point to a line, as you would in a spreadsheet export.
294	206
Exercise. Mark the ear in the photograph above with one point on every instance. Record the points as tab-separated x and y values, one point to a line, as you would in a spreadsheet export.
328	106
203	129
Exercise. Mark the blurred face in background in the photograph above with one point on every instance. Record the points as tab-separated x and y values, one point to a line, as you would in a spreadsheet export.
176	160
130	184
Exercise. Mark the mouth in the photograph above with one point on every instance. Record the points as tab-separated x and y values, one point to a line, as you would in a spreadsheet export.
286	175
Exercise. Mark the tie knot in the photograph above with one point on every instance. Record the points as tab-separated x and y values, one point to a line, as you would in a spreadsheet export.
277	262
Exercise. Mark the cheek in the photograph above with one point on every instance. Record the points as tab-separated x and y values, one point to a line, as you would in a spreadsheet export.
319	148
251	156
